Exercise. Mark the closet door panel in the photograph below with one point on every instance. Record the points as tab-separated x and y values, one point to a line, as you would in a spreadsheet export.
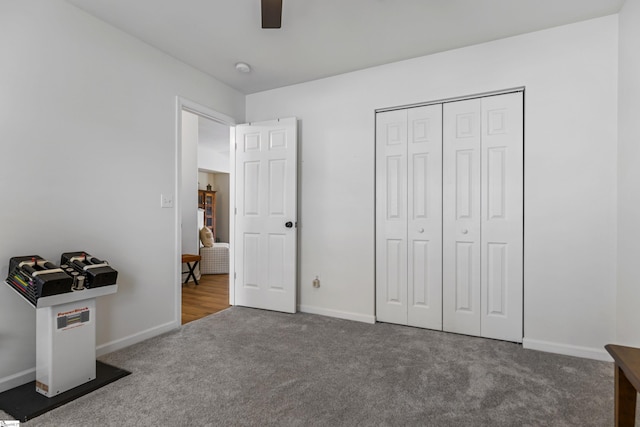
391	217
461	216
502	217
449	216
424	219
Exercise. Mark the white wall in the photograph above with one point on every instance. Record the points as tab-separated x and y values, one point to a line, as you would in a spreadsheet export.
212	160
88	124
190	178
628	314
570	75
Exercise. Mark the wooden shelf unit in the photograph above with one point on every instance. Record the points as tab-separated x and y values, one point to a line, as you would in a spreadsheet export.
207	202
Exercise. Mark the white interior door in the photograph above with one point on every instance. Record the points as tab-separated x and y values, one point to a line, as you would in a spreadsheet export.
424	217
502	217
449	216
461	217
391	216
266	210
409	216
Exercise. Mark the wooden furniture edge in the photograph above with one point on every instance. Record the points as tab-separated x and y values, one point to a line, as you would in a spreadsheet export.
628	359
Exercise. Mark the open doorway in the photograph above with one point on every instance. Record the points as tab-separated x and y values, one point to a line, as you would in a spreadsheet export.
205	194
262	253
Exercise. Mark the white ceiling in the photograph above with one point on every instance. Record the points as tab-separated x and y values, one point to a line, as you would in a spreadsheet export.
321	38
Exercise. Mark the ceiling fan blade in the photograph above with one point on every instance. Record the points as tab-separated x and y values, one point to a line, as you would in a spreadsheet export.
271	13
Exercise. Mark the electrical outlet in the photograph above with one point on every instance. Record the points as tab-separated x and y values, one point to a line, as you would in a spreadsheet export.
166	200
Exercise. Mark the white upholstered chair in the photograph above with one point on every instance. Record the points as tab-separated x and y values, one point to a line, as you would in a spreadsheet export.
215	260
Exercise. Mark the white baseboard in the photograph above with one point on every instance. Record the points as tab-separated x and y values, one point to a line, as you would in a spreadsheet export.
567	349
136	338
338	314
15	380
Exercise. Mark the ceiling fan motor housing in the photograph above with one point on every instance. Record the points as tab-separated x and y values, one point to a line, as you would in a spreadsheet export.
271	13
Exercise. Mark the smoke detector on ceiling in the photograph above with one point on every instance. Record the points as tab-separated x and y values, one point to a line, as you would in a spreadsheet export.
243	67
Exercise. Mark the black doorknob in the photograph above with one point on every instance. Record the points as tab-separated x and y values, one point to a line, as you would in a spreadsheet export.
288	224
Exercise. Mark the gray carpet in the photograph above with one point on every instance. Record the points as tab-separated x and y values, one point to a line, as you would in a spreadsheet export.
255	368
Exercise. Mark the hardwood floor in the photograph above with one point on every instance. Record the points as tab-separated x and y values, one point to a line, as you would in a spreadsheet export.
210	296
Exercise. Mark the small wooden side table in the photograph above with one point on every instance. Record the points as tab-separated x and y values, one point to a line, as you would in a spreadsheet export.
627	382
191	261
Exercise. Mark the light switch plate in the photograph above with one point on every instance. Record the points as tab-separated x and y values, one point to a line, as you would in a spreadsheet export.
166	200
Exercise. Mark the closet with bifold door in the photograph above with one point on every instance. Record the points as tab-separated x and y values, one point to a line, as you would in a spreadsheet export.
449	216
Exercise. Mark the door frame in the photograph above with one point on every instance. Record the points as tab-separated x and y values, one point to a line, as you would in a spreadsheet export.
184	104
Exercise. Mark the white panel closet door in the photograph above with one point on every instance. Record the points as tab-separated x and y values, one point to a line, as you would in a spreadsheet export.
461	217
409	216
424	214
502	217
449	216
391	220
